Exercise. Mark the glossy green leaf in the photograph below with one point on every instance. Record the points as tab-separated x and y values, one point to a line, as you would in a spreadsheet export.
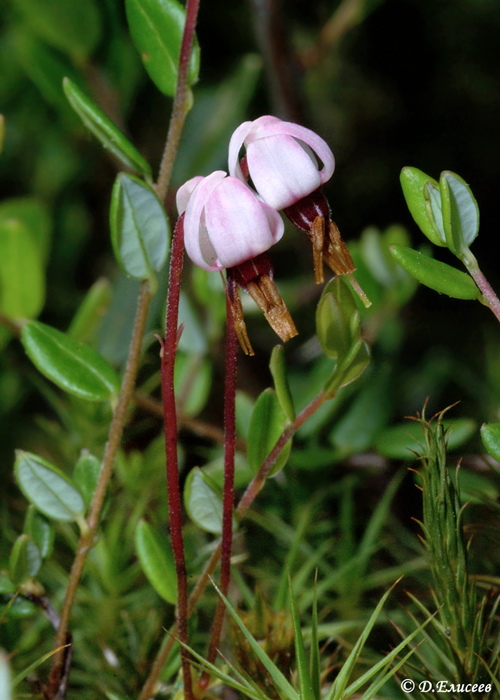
47	488
157	561
140	230
156	27
91	311
278	371
352	366
24	561
73	366
403	440
40	530
86	475
266	425
105	130
5	677
413	182
22	280
435	274
434	208
203	501
337	320
34	215
460	212
71	27
490	435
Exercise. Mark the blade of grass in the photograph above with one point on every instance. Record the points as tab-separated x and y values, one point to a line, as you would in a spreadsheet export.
305	687
315	670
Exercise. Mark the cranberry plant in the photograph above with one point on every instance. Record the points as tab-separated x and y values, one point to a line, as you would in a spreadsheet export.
204	493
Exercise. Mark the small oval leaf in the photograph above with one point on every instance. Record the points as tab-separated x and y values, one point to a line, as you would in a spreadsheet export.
413	182
266	425
156	558
203	501
104	129
73	366
47	488
278	371
86	475
460	212
337	320
40	530
22	279
434	274
24	561
490	435
156	27
140	230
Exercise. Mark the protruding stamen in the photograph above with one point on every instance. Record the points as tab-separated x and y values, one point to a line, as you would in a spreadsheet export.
240	328
264	292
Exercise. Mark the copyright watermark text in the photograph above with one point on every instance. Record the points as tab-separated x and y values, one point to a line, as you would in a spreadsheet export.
444	687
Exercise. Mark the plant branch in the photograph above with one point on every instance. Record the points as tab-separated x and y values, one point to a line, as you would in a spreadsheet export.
228	500
246	501
181	104
115	434
489	299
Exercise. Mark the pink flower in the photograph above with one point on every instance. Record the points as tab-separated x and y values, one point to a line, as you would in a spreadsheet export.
282	160
225	224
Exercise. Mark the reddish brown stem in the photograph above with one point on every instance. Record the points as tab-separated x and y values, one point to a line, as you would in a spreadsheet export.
229	450
170	421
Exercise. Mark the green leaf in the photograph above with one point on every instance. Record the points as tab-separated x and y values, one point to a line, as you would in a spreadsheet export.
278	371
337	320
71	27
24	560
34	215
413	182
86	475
91	311
5	678
156	27
47	488
22	282
203	501
403	440
490	435
40	530
105	130
156	558
73	366
434	208
266	425
460	212
140	231
434	274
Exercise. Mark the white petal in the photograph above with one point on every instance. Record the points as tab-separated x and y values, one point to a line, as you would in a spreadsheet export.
196	238
185	191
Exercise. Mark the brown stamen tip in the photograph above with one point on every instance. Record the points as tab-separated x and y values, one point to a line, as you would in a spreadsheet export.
336	253
263	291
317	238
239	322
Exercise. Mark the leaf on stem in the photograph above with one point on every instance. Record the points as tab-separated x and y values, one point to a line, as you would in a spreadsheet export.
40	530
47	488
490	435
157	27
413	182
24	561
203	501
460	212
266	426
437	275
278	371
104	129
140	231
73	366
156	558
